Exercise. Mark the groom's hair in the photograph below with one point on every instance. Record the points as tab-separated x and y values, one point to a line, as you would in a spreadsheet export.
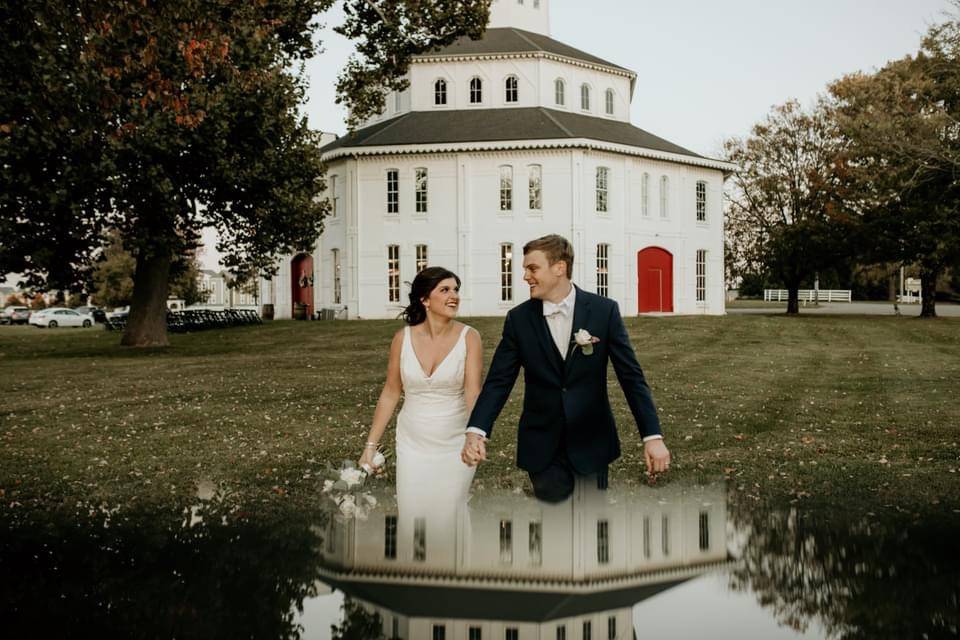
556	248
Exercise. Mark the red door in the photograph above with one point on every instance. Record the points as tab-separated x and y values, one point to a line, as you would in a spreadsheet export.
654	280
301	281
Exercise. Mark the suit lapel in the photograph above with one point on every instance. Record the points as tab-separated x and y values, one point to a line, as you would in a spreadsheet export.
581	316
542	332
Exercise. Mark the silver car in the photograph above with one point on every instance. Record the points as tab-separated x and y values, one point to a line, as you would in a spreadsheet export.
60	317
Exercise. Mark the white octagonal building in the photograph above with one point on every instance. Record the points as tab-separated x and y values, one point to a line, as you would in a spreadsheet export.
496	142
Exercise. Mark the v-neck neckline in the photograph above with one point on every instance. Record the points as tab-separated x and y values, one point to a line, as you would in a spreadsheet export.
417	358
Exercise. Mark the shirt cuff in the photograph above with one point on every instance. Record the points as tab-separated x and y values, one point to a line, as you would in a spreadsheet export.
477	431
653	437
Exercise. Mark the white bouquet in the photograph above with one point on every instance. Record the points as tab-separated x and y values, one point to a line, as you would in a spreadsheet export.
344	486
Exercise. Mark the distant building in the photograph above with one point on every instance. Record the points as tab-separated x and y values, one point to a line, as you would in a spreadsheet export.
221	295
496	142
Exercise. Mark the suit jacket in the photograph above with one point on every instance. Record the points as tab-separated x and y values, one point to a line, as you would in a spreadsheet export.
565	400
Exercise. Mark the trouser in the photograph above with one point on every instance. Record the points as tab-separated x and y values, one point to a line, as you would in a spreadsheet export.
555	483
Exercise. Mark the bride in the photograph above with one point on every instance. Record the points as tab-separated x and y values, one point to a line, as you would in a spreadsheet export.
436	363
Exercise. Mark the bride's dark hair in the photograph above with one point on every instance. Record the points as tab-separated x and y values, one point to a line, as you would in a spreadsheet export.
423	285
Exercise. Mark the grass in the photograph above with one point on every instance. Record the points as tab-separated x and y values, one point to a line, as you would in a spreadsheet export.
799	409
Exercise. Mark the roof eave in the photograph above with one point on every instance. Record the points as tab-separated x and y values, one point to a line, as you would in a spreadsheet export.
511	55
508	145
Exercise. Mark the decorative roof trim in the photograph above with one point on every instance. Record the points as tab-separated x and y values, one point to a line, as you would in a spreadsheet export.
513	582
465	57
510	145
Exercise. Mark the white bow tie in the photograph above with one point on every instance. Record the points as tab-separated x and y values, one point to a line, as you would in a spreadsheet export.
550	308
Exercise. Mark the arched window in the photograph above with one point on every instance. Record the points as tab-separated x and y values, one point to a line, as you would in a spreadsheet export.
609	102
559	91
476	91
511	89
440	92
585	97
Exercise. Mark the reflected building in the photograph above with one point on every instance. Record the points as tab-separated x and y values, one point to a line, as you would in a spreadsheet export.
515	568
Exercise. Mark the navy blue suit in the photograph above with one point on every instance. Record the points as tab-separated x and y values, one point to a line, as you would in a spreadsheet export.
566	411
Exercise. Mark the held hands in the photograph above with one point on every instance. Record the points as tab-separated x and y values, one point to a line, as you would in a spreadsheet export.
474	450
657	456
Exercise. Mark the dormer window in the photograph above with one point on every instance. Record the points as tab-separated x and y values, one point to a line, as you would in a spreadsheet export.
440	92
511	88
585	97
476	91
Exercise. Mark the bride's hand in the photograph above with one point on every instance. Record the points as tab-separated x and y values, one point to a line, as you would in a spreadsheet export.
366	458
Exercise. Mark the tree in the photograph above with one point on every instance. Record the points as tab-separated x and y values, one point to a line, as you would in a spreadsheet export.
37	302
903	128
782	219
14	300
115	269
113	275
158	119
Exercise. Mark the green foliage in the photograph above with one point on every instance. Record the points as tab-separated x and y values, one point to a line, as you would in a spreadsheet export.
158	119
783	219
901	124
388	33
113	275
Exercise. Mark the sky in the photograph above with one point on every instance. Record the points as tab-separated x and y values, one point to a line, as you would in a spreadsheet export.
706	70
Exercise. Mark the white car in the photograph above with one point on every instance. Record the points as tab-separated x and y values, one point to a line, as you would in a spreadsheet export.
60	317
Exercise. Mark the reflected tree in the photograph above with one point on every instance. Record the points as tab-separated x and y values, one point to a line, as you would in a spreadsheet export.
358	623
858	578
144	577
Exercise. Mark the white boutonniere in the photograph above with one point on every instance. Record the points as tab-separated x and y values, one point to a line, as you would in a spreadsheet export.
585	341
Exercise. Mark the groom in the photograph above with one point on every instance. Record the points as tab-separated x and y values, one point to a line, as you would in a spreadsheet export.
563	338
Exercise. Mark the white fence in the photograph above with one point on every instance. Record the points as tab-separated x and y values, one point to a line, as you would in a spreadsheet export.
809	295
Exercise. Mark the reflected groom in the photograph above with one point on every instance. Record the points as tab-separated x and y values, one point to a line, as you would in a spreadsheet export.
563	338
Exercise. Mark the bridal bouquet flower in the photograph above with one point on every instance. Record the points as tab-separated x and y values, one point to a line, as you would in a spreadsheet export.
344	487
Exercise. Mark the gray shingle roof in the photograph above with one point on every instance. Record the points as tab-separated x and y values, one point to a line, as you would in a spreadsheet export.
448	602
489	125
509	40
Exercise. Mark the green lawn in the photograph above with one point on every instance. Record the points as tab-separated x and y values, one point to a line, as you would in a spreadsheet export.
808	408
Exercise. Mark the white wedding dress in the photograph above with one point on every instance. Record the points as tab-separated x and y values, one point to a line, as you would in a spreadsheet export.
433	483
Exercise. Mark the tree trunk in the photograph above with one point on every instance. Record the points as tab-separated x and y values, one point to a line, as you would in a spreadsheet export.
793	300
147	322
928	291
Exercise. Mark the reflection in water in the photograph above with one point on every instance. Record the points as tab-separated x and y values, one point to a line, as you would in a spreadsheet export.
858	577
509	567
514	567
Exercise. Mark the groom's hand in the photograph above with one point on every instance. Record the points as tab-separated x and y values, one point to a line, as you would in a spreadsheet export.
656	455
474	450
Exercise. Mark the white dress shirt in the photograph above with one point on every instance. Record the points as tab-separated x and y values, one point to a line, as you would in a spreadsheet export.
559	316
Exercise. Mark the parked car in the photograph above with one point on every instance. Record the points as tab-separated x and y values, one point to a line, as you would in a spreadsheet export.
60	317
99	315
15	314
